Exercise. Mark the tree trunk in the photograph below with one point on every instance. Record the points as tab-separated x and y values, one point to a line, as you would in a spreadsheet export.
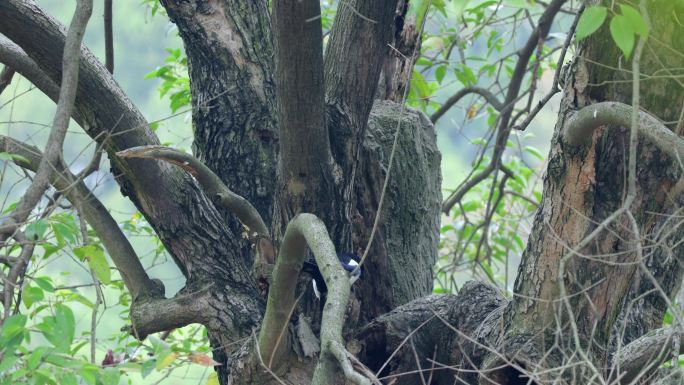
583	186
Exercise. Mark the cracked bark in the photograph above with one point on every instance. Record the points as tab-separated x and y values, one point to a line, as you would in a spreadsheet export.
582	187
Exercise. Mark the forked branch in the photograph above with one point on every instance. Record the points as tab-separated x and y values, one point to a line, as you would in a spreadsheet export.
306	230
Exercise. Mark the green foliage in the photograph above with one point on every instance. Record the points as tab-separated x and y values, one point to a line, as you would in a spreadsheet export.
175	81
624	26
590	21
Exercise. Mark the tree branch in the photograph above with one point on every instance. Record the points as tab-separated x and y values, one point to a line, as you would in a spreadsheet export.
580	126
13	56
60	123
120	250
210	182
245	212
645	354
455	98
304	142
307	230
359	42
503	129
154	315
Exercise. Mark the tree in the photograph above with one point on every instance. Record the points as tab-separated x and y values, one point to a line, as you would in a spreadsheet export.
292	153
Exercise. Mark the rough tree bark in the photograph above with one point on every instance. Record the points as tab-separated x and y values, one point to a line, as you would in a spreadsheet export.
583	186
393	326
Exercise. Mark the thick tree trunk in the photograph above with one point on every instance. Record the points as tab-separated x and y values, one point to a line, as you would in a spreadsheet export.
584	186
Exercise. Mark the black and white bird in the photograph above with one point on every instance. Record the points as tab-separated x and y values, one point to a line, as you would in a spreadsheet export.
348	261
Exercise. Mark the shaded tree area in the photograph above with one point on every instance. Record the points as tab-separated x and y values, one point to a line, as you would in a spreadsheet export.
303	147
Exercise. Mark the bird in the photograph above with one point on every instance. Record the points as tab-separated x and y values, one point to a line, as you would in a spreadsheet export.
348	261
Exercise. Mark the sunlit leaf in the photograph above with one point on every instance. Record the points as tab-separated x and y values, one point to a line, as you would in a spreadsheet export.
590	21
636	20
622	32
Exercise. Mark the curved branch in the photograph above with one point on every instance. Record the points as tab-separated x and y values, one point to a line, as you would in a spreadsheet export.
455	98
13	56
580	126
307	230
120	250
210	182
646	354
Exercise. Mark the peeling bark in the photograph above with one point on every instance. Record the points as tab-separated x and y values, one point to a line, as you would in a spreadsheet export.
583	186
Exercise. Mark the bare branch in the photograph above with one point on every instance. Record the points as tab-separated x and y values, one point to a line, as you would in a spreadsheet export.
120	250
455	98
109	36
210	182
13	56
60	123
581	124
503	129
556	77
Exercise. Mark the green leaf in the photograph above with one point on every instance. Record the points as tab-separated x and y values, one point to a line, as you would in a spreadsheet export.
31	295
147	367
165	359
623	34
64	233
89	374
50	249
67	378
439	73
44	283
590	21
36	230
7	362
96	261
59	330
36	357
635	19
110	376
534	152
12	326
